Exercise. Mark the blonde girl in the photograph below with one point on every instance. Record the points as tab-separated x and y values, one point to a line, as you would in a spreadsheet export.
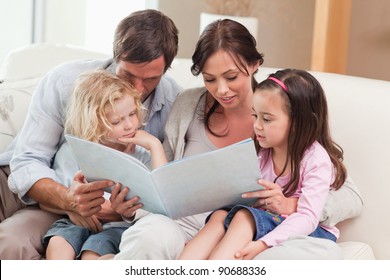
107	110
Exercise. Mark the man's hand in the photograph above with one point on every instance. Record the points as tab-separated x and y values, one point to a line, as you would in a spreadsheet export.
86	198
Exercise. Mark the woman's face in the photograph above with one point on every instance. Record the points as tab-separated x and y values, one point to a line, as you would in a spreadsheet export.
224	80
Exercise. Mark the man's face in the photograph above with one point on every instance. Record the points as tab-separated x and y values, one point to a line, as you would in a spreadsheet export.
143	76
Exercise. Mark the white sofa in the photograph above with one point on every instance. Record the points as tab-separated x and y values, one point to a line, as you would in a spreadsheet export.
359	117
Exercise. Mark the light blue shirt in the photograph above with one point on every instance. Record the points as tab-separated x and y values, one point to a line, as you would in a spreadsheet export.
42	134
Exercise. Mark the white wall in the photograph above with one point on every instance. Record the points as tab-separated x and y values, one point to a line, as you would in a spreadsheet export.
100	26
369	39
285	29
15	25
65	22
284	32
84	23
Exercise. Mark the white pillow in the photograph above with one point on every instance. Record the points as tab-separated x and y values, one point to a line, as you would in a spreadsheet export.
41	58
15	97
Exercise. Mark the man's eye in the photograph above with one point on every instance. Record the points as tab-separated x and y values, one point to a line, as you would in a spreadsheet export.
231	78
151	79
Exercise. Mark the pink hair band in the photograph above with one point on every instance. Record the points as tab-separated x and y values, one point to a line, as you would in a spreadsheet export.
279	82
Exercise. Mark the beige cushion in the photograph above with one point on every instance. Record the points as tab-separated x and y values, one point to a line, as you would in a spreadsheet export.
15	96
356	251
37	59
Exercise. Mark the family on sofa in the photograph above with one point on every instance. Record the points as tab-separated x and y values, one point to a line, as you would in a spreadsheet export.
187	123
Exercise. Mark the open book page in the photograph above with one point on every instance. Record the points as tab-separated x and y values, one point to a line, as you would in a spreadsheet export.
98	162
208	181
189	186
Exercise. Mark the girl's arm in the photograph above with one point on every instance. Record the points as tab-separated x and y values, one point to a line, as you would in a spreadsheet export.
316	177
150	143
157	153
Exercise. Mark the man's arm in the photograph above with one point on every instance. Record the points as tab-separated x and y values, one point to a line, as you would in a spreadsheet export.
42	135
50	193
81	197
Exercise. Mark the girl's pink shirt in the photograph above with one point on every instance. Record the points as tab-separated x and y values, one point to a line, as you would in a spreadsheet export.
316	176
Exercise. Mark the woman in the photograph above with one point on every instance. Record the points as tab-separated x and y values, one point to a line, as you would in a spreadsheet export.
205	119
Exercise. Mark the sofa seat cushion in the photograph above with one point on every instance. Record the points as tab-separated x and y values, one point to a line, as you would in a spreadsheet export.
356	251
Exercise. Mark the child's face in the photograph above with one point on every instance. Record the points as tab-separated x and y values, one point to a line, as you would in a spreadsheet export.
272	122
123	119
228	85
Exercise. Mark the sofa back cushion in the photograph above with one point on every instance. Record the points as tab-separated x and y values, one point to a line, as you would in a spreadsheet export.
20	73
15	97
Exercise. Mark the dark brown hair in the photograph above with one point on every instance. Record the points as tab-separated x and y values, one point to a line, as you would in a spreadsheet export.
308	111
235	39
144	36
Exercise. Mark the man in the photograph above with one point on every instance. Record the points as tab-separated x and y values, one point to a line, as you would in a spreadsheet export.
145	44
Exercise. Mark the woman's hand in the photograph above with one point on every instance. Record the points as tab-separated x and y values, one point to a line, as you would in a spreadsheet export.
251	250
272	198
86	198
119	204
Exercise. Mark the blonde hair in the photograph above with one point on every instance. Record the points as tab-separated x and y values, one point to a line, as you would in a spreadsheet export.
95	94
